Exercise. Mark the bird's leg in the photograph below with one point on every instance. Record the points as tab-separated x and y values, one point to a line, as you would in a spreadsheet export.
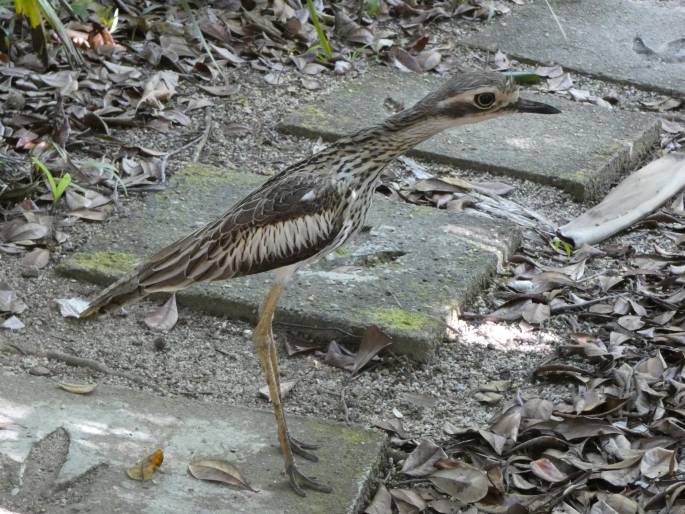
266	352
298	447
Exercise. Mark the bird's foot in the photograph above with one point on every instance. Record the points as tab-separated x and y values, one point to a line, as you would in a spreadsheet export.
300	448
299	482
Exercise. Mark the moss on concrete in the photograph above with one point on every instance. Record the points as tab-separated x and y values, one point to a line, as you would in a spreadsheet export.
400	319
107	263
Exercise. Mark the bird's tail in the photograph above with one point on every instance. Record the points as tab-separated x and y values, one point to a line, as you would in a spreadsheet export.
125	290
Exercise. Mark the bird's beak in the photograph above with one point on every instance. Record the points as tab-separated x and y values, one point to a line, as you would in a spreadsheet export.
523	105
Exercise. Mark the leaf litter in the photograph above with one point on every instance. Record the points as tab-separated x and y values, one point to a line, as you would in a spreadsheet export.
614	442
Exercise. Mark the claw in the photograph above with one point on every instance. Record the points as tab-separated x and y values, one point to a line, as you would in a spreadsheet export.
306	446
300	448
298	481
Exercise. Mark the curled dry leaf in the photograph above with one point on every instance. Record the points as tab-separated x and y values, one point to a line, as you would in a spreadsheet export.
410	497
463	482
147	467
657	462
71	307
421	461
373	342
77	388
12	323
381	503
37	258
9	301
547	470
165	317
215	470
286	387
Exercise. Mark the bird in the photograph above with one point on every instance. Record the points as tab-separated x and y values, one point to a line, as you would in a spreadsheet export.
305	212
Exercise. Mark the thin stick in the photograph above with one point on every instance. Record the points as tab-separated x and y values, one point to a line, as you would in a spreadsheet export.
205	136
561	29
73	360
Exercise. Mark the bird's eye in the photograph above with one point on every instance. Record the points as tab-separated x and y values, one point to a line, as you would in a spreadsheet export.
484	100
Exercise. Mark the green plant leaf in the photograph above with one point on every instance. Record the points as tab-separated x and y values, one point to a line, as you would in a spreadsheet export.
54	21
319	31
62	186
524	77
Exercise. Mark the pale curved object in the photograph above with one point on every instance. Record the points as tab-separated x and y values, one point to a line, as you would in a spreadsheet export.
633	199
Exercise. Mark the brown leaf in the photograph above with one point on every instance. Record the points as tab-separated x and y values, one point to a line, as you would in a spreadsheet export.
381	503
657	462
547	470
410	497
165	317
464	482
147	467
373	342
37	258
421	461
286	387
507	424
214	470
160	87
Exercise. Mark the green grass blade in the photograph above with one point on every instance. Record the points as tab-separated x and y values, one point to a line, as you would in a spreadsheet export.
72	54
323	40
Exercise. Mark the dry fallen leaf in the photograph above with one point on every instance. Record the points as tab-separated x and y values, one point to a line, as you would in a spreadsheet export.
421	461
381	503
547	470
165	317
147	467
657	462
12	323
286	387
373	342
463	482
214	470
77	388
71	307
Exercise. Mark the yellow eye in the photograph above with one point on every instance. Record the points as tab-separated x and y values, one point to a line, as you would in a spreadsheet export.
484	100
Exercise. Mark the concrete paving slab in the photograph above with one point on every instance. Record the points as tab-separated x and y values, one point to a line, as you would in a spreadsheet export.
582	150
600	40
108	431
405	274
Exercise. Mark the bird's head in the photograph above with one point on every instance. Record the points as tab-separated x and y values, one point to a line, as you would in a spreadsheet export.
471	97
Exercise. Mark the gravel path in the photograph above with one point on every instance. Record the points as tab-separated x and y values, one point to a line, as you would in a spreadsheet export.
212	359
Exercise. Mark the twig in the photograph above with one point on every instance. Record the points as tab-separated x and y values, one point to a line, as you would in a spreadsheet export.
73	360
204	137
574	306
561	29
346	410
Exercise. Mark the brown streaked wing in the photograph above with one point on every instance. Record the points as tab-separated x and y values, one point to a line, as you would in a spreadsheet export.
290	218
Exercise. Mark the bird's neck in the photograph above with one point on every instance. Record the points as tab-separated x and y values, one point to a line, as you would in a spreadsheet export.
382	144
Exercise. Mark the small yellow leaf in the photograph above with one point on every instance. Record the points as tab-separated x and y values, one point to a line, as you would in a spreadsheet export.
77	388
144	469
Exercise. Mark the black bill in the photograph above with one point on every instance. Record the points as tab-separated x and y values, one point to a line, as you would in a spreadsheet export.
524	105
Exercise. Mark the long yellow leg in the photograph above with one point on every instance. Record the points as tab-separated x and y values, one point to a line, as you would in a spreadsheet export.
298	447
268	360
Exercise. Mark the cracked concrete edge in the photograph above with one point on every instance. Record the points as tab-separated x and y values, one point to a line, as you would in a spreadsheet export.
418	344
